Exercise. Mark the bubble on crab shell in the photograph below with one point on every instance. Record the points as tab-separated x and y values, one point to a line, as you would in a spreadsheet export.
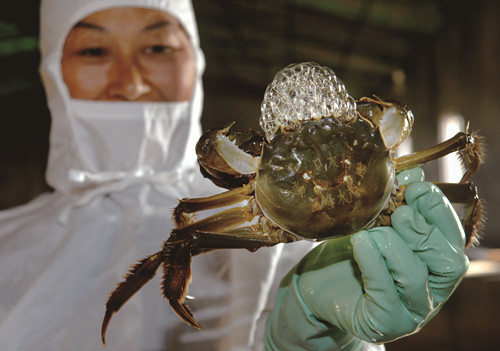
301	92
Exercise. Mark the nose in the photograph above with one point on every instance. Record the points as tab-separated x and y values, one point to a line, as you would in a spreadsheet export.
126	81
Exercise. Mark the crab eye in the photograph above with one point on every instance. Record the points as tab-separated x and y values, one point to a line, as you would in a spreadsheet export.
304	91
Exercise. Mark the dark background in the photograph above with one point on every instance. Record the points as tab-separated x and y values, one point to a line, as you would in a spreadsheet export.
435	55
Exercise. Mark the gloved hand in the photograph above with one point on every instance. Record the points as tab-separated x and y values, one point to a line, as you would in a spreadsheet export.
376	285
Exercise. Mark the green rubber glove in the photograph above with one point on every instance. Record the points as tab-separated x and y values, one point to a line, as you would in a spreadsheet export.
377	285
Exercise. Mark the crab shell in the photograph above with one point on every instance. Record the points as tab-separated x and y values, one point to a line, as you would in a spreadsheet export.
325	179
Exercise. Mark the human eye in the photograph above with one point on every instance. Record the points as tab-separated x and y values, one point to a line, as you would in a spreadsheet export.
160	49
92	52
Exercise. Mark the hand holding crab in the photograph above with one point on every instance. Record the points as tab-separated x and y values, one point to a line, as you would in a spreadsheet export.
376	285
326	170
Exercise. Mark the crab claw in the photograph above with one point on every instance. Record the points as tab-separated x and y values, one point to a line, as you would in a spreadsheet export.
138	276
229	158
394	119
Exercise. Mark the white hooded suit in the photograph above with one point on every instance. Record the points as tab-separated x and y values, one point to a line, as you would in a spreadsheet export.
118	170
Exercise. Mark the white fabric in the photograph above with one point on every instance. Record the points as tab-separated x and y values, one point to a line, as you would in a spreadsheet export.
118	170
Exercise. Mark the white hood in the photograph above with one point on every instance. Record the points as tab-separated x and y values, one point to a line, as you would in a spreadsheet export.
87	148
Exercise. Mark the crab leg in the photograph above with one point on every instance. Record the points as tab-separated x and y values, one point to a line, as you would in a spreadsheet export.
212	233
145	270
469	145
458	142
458	193
177	272
187	206
473	212
138	276
250	238
176	254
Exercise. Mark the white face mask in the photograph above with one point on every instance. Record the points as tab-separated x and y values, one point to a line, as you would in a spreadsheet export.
128	136
108	141
116	144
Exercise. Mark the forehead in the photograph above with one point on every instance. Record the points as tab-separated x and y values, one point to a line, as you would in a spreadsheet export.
127	19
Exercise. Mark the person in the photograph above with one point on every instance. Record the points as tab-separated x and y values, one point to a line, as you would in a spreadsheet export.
123	83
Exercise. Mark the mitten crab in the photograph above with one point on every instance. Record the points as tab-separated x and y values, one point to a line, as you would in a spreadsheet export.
324	168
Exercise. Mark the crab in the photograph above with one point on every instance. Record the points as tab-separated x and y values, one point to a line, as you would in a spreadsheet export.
325	168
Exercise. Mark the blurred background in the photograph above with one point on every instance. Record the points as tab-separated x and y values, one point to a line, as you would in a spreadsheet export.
440	57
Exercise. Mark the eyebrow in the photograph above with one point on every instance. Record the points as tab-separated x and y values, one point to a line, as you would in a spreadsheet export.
160	24
82	24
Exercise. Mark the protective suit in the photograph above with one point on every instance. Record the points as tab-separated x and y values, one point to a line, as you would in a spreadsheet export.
118	169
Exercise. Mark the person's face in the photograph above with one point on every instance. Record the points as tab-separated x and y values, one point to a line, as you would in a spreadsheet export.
129	54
